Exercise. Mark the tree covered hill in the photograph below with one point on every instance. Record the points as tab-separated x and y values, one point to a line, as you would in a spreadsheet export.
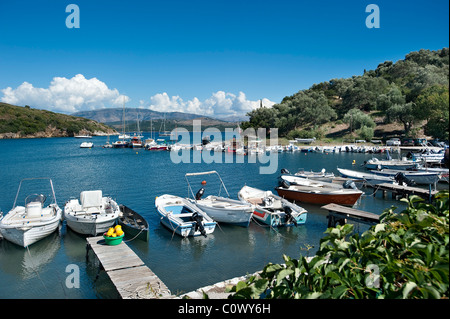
18	121
413	92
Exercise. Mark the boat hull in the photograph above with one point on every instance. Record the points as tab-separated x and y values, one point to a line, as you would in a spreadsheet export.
133	224
89	226
26	235
237	217
276	219
418	177
347	199
186	230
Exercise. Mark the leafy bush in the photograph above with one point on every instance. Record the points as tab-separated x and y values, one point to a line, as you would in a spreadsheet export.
405	256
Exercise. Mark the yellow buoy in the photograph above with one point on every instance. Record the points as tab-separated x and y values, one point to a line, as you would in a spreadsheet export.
354	162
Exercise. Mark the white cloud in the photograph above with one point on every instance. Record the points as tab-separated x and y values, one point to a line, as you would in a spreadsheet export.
81	94
220	104
66	95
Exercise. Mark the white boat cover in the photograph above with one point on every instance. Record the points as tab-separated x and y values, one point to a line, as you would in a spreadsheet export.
91	198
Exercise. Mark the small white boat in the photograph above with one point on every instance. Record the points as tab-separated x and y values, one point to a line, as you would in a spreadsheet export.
86	145
370	178
183	217
423	178
444	172
83	136
271	209
25	225
429	156
221	209
302	181
390	163
320	176
94	215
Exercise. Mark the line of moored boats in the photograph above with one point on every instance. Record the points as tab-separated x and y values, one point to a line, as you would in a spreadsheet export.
94	213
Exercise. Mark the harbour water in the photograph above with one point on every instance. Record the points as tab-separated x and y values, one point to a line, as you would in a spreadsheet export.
134	178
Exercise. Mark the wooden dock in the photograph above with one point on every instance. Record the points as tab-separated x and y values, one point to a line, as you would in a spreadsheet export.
338	214
128	273
405	191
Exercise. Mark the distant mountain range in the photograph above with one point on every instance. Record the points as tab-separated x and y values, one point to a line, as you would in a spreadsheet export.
152	120
113	115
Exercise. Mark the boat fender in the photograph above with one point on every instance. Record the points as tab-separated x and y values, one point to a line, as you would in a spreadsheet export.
200	193
285	171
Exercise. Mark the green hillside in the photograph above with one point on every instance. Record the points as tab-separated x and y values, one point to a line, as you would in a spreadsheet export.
412	93
18	121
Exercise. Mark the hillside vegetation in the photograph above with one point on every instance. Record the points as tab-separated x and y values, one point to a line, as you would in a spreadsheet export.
413	93
18	121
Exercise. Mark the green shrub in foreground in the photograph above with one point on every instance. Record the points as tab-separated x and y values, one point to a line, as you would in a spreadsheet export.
406	255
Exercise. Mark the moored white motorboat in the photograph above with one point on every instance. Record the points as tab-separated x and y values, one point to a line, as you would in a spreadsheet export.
183	217
93	214
86	145
221	209
320	176
423	178
369	178
25	225
271	209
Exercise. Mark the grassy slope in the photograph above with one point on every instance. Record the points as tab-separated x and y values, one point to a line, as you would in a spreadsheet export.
29	122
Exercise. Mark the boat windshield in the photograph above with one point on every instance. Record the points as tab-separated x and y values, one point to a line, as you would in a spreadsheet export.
35	198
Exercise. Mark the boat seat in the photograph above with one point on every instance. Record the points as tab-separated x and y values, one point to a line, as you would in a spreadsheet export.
91	198
277	204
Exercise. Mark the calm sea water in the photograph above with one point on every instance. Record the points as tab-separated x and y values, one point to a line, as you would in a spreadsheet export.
135	178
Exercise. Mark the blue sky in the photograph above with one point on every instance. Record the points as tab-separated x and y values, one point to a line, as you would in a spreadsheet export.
179	54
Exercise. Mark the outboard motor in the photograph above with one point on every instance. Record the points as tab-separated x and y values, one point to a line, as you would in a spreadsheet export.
289	217
200	193
401	179
285	171
197	218
349	185
284	184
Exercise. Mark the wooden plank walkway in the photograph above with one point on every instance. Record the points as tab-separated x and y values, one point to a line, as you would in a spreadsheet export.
340	214
128	273
405	191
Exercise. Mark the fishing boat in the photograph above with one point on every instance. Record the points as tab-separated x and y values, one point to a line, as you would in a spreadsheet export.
371	179
319	195
390	163
323	175
108	144
133	224
86	145
423	178
25	225
183	217
271	209
298	180
219	208
136	142
93	214
444	172
429	156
